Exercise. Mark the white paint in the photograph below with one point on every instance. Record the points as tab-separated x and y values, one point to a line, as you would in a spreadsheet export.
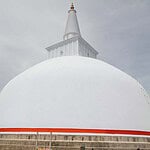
74	92
72	26
74	46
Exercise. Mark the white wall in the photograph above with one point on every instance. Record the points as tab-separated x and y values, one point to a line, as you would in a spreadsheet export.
72	48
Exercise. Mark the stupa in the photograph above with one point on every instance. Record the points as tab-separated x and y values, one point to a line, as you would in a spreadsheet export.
73	92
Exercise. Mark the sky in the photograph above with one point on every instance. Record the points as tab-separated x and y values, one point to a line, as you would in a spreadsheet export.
118	29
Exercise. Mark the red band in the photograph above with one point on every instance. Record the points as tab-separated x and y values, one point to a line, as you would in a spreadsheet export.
71	130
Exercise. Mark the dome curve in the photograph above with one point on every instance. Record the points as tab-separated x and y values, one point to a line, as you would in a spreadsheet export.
74	92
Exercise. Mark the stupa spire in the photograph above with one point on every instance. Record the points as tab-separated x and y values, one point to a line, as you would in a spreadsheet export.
73	44
72	6
72	26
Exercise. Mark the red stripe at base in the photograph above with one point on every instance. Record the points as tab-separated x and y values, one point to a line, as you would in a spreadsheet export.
72	130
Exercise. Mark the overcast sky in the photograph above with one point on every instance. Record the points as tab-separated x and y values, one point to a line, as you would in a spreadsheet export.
118	29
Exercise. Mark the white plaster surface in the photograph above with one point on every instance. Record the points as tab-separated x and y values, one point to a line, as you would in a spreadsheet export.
74	92
72	26
74	46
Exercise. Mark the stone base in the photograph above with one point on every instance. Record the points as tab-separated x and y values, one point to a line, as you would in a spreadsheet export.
71	142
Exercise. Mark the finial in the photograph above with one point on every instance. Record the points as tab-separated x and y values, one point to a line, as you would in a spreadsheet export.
72	7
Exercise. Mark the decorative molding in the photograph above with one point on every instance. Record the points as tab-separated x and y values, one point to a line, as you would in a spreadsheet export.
77	130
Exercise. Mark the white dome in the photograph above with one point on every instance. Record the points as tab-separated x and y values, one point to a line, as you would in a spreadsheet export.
74	92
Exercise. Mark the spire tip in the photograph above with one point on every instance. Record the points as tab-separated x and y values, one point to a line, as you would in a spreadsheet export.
72	6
